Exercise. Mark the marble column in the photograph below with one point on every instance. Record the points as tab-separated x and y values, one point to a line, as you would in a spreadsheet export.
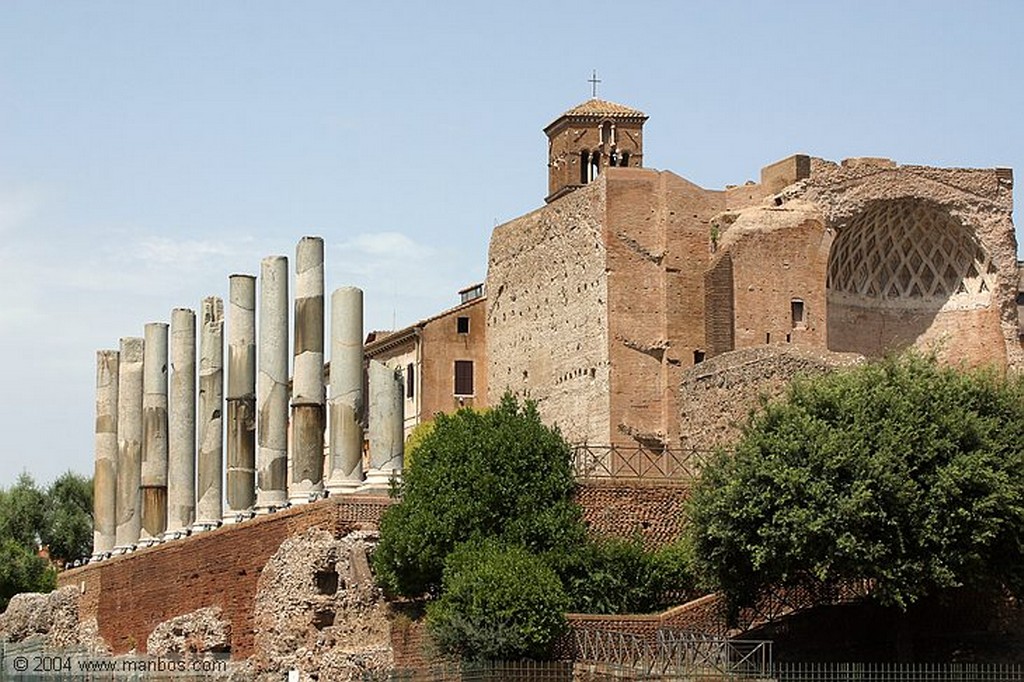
240	479
129	445
387	426
272	387
154	434
210	467
181	461
104	482
308	395
346	404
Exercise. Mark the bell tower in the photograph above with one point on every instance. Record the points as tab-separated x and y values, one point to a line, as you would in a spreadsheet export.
588	138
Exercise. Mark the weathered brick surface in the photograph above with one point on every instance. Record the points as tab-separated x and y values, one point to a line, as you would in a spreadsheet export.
547	314
651	512
717	396
131	595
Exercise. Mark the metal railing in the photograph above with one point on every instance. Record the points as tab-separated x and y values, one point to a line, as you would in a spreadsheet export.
898	672
637	462
675	652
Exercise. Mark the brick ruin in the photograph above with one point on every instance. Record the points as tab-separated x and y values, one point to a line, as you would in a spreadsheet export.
636	307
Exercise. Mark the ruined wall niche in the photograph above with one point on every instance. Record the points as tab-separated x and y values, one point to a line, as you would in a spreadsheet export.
904	271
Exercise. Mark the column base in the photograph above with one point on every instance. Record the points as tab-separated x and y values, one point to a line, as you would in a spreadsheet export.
148	542
270	502
176	534
122	549
202	526
379	480
306	496
233	517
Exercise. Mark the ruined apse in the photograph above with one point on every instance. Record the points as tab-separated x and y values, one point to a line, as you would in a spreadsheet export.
600	300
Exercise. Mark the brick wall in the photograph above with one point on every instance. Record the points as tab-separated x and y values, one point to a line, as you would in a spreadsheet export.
634	509
132	594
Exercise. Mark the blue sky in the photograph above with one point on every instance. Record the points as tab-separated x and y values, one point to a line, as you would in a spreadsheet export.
150	149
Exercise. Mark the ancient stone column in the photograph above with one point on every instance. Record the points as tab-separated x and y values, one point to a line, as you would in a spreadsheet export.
387	426
129	444
104	482
241	398
272	387
209	495
346	404
181	461
154	434
307	466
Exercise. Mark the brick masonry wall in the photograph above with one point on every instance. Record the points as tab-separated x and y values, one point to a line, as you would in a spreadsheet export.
547	332
657	231
131	595
654	513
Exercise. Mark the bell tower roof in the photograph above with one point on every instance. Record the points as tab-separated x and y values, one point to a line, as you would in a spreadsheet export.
589	138
599	109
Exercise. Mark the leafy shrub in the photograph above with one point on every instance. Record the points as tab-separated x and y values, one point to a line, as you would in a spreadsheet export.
901	473
498	474
499	602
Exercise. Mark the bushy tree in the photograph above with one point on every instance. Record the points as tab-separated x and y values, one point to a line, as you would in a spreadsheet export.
67	519
499	602
496	474
22	512
615	575
22	570
901	473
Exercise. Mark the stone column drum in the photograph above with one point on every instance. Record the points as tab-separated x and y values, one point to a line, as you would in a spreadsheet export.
387	426
345	465
209	495
129	444
272	387
104	482
181	461
307	467
154	434
240	479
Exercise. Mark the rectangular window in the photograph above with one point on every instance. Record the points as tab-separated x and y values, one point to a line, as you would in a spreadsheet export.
463	377
796	310
410	380
462	325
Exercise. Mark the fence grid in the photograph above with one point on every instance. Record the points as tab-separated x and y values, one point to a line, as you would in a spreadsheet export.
638	462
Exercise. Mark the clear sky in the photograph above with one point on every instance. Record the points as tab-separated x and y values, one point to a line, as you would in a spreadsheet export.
150	149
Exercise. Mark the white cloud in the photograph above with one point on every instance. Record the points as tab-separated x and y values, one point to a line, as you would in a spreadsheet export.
180	252
393	244
17	207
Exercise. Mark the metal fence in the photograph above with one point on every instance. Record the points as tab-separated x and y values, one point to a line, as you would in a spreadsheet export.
637	462
514	671
674	653
898	672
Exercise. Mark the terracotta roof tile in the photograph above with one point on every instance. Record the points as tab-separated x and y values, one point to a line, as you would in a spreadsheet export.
600	107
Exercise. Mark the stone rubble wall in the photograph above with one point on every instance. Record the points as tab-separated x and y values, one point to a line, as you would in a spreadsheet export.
131	595
718	395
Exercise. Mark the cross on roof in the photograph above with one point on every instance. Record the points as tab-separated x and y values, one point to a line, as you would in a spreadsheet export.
594	80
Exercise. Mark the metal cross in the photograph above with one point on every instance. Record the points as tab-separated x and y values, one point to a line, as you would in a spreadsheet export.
594	80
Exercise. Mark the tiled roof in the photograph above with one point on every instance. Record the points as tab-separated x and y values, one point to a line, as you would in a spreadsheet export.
600	107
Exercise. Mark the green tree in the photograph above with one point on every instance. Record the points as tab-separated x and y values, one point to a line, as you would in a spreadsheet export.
499	473
615	575
67	520
22	511
499	602
901	473
22	570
